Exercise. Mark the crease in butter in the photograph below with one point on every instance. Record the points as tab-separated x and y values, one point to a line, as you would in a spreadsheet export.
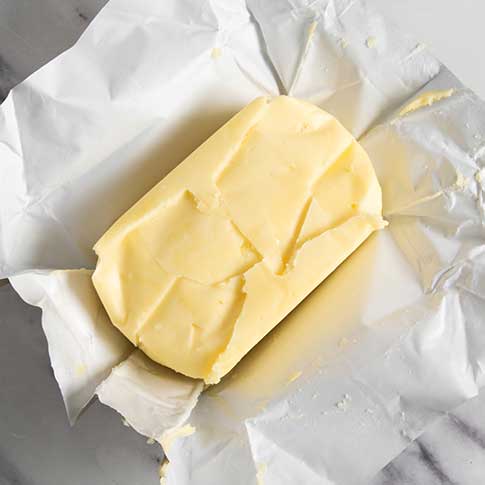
209	261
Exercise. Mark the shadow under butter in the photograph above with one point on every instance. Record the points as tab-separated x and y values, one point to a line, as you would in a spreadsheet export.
110	188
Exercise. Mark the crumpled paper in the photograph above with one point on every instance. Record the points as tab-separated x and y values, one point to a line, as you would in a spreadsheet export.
390	341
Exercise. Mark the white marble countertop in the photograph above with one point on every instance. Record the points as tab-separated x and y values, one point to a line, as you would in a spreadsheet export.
37	446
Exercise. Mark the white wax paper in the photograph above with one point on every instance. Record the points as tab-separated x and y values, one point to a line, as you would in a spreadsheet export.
152	398
394	338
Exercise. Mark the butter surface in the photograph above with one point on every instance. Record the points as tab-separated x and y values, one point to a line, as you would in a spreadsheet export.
212	258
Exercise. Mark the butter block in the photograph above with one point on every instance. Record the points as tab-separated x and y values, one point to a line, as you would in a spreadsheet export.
209	261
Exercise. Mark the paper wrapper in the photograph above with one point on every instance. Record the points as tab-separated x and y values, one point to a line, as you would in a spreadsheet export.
389	342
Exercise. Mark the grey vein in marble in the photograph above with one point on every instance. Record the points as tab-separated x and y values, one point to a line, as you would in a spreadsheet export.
450	452
8	78
32	32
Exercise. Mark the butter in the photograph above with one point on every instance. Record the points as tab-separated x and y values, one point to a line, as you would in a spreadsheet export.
296	375
371	42
216	53
199	270
163	472
425	100
260	472
169	437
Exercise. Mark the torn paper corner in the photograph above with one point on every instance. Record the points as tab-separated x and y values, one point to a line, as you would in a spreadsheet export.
83	344
153	399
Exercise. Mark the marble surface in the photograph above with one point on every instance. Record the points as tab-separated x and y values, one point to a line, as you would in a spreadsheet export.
450	452
38	447
32	32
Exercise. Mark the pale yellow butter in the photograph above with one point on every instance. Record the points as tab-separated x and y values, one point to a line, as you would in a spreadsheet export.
425	100
210	260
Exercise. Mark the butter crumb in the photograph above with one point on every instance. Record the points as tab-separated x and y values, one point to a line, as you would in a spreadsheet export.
261	470
150	441
343	42
343	403
216	53
343	342
480	176
461	181
125	422
163	472
311	29
170	436
294	376
425	100
371	42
